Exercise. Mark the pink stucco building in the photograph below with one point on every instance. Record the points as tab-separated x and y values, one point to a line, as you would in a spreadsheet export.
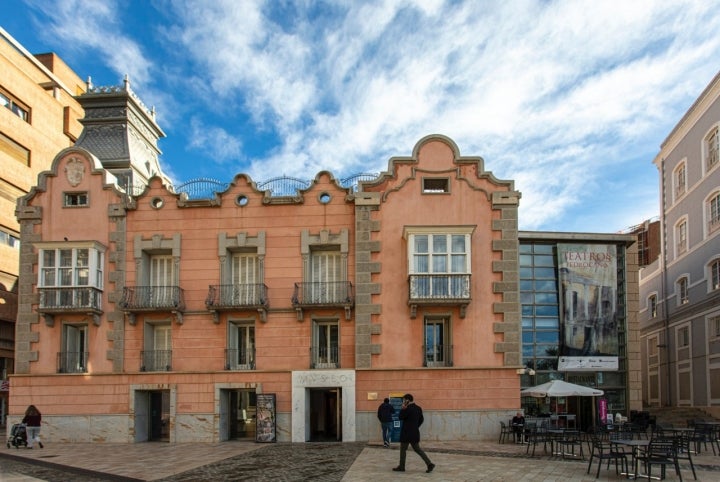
151	314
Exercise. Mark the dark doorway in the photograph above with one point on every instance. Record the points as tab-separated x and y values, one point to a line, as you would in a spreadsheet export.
159	416
325	415
241	414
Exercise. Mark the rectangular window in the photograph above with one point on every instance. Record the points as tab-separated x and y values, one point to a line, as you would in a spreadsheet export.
74	354
680	180
157	355
713	149
652	306
73	199
71	267
14	150
435	185
682	287
14	106
715	275
9	239
714	323
241	346
438	349
326	273
683	337
714	213
440	265
326	347
245	272
681	237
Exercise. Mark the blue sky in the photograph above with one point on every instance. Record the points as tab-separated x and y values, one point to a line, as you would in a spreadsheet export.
570	99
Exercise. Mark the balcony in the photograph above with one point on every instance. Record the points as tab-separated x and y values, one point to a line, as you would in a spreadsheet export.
323	357
439	290
237	297
156	361
137	299
240	359
84	300
437	355
72	362
330	294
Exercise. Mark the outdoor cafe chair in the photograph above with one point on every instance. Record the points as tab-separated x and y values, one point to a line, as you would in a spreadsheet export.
536	435
505	431
662	451
686	440
567	442
602	450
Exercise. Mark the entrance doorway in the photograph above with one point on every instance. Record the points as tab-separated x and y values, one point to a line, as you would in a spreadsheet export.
152	415
325	414
237	414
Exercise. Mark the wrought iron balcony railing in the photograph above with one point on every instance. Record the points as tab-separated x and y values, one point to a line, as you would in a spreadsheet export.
66	299
439	289
325	357
72	361
156	361
153	298
240	359
327	294
237	296
437	355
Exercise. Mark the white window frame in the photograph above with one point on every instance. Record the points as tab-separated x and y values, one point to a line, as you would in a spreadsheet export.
711	149
682	285
652	305
713	323
713	275
683	336
681	237
680	180
158	337
55	265
712	212
241	337
323	343
245	278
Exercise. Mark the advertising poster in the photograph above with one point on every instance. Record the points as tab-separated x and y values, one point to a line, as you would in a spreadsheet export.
265	418
588	298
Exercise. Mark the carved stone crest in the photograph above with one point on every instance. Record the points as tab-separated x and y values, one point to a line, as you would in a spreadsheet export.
75	170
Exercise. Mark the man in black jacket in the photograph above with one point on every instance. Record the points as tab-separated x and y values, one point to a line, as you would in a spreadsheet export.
411	416
384	414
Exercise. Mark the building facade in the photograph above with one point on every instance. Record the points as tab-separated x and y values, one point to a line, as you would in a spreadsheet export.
680	289
38	117
265	310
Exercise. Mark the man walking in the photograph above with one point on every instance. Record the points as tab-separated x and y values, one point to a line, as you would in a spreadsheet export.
384	413
411	416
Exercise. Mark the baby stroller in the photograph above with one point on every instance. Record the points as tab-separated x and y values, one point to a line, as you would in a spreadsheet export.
18	436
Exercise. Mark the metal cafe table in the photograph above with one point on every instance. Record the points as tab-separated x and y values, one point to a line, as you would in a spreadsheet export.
636	445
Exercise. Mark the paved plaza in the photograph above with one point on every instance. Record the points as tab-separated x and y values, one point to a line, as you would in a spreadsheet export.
322	462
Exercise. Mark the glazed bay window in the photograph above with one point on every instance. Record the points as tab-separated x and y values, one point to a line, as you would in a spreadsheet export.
241	346
437	348
439	266
74	355
157	353
70	278
325	351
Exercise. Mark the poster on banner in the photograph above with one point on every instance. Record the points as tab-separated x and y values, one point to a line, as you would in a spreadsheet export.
588	298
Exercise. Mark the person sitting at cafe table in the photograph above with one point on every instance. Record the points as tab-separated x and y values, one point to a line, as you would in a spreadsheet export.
518	425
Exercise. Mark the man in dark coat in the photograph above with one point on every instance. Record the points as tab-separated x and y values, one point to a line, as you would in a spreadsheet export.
385	415
411	416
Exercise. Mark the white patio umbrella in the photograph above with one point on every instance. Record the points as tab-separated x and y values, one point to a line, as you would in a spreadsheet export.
559	388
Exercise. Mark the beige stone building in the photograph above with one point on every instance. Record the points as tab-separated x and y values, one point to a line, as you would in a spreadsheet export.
38	116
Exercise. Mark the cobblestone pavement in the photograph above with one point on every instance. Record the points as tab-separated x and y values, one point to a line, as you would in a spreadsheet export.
323	462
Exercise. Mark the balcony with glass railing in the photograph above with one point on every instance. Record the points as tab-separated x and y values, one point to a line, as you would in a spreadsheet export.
63	300
439	290
329	294
324	357
139	299
156	361
237	297
72	362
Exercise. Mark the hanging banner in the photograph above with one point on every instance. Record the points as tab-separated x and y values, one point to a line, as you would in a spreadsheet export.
588	297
